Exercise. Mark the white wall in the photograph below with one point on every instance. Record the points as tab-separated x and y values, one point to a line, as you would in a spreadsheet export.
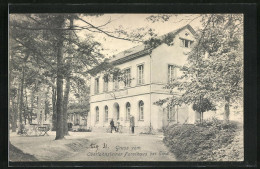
122	105
164	55
145	60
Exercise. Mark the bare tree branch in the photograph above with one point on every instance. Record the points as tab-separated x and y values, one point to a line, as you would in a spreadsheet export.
106	33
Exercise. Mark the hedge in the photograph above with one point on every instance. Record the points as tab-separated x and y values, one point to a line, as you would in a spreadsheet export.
201	142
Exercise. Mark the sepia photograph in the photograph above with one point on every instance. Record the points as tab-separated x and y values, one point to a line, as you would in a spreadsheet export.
126	87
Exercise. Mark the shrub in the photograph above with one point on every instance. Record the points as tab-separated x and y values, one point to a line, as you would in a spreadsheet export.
198	142
148	130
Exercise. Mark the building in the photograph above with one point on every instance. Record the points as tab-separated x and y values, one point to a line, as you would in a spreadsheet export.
149	70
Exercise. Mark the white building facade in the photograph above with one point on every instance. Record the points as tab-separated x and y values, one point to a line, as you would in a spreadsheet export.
149	71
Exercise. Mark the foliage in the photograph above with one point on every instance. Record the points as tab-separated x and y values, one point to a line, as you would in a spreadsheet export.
84	130
199	142
203	105
148	131
81	108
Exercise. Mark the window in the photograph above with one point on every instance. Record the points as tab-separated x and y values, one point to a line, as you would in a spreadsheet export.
117	112
127	77
171	113
172	73
76	119
105	86
140	74
96	85
186	43
128	107
97	114
106	114
116	84
71	117
141	110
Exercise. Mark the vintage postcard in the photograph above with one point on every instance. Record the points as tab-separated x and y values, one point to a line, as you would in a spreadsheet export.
126	87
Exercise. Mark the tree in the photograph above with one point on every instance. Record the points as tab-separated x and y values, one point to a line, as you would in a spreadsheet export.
58	54
202	105
215	64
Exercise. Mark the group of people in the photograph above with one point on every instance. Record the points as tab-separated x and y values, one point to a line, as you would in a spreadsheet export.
132	125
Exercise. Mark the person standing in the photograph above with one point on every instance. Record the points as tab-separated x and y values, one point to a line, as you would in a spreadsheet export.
132	124
112	125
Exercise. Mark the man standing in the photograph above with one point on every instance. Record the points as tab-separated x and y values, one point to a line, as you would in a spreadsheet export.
132	124
112	125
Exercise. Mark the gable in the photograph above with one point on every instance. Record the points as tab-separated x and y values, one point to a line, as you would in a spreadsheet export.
186	34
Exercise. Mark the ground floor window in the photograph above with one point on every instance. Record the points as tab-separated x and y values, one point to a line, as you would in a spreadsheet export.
106	114
141	110
128	107
97	114
76	119
171	113
117	113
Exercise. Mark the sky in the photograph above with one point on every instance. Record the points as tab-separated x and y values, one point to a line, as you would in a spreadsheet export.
130	22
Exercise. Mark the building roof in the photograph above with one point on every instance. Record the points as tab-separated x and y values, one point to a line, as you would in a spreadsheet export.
140	49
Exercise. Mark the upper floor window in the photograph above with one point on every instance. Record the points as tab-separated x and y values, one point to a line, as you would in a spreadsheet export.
105	86
172	73
186	43
141	110
96	85
116	83
171	113
127	77
140	74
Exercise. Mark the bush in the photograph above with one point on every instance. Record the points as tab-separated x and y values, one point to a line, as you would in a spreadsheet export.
148	130
198	142
84	130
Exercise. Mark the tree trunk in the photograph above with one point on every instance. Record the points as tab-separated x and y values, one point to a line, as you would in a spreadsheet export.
21	103
200	117
59	130
67	90
14	107
227	111
46	104
54	108
26	109
32	104
65	106
14	115
17	106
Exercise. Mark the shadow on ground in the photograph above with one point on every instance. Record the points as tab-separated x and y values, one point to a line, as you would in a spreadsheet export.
16	154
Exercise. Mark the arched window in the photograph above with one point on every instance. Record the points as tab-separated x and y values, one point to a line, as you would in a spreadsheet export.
117	112
128	108
141	110
106	114
97	114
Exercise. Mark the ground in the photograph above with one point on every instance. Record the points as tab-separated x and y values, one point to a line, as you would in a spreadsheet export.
88	146
16	154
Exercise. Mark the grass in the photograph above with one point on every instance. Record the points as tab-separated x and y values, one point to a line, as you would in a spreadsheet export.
210	141
16	154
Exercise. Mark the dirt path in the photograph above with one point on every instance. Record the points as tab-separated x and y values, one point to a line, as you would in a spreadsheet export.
95	147
124	147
